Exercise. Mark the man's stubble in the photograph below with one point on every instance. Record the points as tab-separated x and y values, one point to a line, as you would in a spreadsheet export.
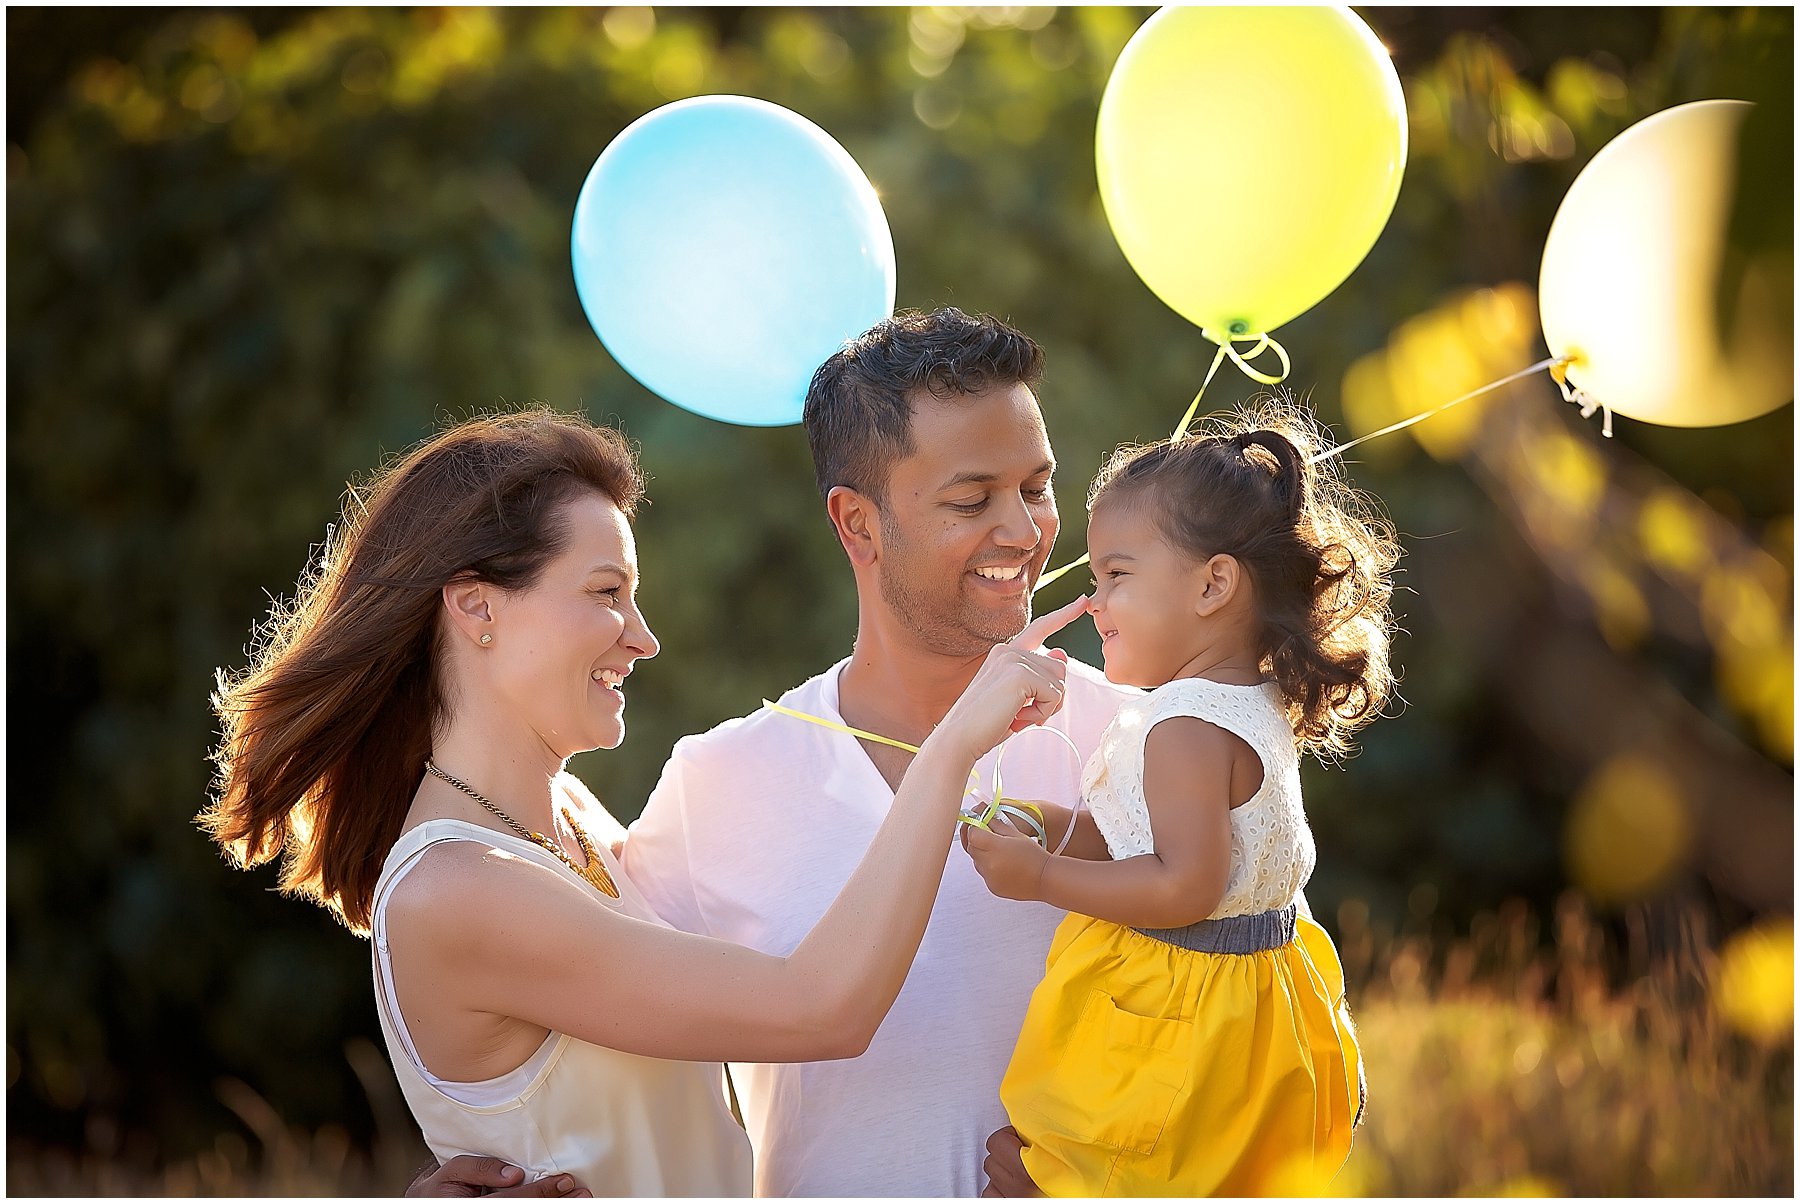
945	622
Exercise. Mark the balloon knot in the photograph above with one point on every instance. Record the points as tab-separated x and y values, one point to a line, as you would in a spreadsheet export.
1586	404
1237	333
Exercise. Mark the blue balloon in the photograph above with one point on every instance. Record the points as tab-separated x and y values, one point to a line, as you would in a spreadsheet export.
724	247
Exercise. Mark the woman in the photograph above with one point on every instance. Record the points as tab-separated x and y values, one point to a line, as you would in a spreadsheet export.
401	734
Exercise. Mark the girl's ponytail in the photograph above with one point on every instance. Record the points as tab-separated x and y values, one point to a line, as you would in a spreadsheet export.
1291	468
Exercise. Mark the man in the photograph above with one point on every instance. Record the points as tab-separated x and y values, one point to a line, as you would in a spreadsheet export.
932	458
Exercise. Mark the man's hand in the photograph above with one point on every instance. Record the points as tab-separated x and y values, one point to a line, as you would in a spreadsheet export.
469	1175
1004	1168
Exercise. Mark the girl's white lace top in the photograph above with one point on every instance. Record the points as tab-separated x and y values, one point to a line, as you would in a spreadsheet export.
1272	852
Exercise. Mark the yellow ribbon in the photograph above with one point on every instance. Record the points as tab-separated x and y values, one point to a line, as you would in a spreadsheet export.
1557	366
1241	359
1228	350
1053	574
834	725
1182	426
999	805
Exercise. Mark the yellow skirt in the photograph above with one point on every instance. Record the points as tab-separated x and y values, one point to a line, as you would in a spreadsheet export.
1144	1069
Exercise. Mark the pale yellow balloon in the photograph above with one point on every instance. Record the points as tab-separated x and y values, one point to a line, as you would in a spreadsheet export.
1631	269
1249	157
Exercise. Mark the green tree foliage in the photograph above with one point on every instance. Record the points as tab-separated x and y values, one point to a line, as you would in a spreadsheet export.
250	254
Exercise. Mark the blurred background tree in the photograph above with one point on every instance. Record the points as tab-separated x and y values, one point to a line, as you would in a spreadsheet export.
253	252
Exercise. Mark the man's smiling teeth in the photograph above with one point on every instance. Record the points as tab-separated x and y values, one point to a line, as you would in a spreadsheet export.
610	678
1002	574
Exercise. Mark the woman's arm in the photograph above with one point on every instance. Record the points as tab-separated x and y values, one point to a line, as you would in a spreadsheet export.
484	932
492	933
1193	772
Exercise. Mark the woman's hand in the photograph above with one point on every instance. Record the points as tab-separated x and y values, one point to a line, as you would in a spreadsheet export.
1016	687
1011	863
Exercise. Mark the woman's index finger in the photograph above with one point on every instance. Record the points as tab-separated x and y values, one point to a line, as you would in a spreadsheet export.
1045	626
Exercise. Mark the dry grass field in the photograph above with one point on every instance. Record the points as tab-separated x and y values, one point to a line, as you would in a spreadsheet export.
1504	1061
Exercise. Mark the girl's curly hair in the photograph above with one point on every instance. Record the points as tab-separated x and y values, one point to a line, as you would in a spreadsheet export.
1319	553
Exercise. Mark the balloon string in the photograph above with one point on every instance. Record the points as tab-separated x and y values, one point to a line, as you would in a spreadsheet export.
997	805
858	732
841	727
1556	365
1553	364
1053	574
1182	426
1226	350
1241	359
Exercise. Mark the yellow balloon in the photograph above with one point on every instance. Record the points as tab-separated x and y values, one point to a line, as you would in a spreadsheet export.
1249	158
1631	270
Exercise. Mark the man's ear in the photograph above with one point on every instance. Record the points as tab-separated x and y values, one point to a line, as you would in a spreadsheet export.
469	605
1220	579
857	522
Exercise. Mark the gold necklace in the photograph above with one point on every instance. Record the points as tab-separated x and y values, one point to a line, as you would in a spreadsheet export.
594	873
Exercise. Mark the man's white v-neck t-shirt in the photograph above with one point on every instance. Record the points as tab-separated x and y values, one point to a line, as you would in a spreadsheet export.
750	835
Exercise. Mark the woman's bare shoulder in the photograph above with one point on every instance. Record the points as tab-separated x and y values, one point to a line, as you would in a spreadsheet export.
457	885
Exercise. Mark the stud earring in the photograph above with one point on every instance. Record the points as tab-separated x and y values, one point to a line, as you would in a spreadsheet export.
487	639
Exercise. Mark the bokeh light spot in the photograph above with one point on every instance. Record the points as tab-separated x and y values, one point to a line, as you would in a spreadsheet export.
1628	830
1754	989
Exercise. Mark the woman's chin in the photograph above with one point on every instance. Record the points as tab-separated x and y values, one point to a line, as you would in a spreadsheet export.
602	739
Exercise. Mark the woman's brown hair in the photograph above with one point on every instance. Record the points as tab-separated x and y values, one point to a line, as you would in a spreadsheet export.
1318	553
326	733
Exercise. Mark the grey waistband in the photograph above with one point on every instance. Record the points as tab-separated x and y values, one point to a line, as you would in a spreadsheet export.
1232	934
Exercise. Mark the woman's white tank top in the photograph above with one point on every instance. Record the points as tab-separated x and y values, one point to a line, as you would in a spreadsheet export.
624	1124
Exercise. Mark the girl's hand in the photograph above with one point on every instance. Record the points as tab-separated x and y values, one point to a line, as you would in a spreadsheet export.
1011	864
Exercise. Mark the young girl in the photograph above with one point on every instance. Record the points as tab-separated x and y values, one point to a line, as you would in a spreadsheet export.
1190	1035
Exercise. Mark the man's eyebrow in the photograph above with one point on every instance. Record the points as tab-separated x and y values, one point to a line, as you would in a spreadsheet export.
975	477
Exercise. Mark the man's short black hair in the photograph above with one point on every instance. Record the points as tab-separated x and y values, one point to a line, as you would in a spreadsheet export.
858	416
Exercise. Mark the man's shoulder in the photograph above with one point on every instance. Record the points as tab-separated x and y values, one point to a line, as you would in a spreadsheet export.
718	781
1086	679
761	734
